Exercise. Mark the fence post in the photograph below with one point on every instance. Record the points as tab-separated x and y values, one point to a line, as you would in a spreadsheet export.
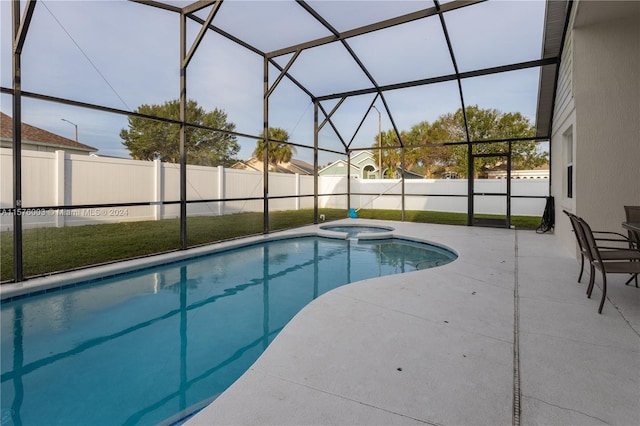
59	187
297	183
157	189
221	191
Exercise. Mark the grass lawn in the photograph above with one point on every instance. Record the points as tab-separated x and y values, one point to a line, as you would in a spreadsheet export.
47	250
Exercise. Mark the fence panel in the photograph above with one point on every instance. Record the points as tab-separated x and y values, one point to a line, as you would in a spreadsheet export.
38	187
97	180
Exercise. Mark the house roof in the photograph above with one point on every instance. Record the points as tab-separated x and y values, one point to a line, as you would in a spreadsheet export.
554	28
333	163
39	136
303	166
293	166
410	172
361	157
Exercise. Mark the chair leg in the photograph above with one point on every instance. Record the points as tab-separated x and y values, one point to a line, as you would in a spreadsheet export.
604	291
581	266
592	273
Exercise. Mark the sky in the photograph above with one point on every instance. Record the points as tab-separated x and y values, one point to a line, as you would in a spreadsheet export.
122	55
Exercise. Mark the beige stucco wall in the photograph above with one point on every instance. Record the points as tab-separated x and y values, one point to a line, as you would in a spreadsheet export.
601	108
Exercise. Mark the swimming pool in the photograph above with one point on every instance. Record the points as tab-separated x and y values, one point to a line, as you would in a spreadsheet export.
156	344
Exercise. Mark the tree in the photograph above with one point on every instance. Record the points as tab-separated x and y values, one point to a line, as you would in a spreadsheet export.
391	158
432	160
489	124
279	152
484	124
150	139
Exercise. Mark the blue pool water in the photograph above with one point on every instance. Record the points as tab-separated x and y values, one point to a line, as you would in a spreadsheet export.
155	344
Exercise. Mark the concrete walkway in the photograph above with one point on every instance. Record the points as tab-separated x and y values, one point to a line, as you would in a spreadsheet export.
503	335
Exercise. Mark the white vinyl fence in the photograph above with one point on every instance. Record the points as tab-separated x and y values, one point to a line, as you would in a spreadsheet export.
450	195
57	179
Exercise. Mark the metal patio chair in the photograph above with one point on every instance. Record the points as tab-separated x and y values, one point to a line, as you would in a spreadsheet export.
596	260
608	253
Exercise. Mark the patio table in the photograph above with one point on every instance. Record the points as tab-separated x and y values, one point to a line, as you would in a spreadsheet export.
632	226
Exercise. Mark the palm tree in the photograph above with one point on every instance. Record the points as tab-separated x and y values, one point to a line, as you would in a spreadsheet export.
279	150
391	158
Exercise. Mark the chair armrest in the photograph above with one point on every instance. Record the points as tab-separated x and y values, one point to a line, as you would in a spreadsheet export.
632	250
626	238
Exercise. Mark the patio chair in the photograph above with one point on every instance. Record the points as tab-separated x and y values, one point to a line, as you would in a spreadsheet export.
595	255
633	215
608	253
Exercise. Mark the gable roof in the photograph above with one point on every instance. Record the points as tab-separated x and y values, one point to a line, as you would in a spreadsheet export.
356	160
331	165
409	174
303	166
39	136
361	156
292	167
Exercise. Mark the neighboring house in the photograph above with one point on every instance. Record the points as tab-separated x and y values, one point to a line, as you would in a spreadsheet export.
292	167
36	139
363	166
407	174
499	171
540	173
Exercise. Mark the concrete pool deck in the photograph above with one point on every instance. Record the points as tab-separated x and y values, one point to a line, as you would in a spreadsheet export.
504	325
